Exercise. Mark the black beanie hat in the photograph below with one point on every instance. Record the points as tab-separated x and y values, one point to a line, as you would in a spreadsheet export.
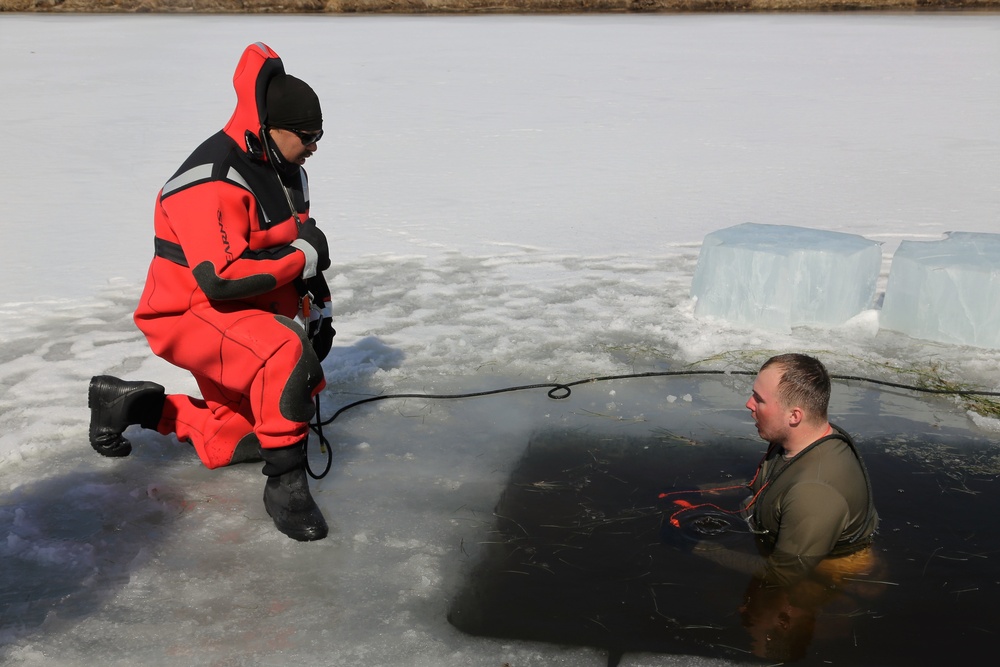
292	105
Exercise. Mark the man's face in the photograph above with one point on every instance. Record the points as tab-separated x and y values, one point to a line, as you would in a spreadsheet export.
771	417
291	147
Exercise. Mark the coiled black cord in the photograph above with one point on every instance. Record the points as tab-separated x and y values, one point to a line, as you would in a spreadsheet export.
561	390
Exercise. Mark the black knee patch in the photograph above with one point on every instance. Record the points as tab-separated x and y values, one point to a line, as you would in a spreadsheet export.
247	450
296	398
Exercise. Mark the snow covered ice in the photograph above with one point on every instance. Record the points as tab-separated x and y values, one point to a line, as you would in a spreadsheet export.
946	291
509	200
781	276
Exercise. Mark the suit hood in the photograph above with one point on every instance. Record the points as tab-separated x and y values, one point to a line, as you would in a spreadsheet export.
257	66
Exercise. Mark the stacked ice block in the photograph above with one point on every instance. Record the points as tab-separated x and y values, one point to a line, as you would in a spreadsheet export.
946	291
780	276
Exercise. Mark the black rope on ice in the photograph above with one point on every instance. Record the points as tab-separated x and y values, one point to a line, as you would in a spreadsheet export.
324	445
561	390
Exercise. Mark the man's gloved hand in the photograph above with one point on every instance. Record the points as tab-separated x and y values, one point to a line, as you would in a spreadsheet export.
319	323
312	242
321	331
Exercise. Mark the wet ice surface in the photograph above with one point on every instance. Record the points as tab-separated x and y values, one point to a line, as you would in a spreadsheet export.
510	200
155	559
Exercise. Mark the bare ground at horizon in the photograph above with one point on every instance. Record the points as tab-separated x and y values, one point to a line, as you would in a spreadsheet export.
481	6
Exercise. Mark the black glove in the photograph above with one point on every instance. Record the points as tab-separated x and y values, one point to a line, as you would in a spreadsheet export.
320	328
315	237
322	339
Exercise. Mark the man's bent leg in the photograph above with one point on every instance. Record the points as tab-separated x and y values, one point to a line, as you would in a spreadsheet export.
267	358
282	391
253	380
218	432
282	399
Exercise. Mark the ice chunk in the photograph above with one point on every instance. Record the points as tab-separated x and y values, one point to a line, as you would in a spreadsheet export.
946	291
780	276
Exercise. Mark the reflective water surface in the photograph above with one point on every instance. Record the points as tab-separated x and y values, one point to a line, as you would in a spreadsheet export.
582	551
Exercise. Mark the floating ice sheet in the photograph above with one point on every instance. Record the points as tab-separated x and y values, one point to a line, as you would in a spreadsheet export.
780	276
946	291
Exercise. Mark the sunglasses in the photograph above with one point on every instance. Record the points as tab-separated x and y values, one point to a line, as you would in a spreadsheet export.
305	137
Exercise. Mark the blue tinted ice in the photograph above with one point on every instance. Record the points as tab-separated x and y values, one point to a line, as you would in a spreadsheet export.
946	291
781	276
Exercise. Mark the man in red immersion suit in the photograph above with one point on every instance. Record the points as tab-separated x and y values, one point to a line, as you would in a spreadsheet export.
236	296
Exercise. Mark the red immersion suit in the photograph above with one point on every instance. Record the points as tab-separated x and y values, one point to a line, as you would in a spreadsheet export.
226	283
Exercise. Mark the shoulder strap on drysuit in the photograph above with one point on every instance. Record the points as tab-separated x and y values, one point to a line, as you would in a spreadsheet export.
851	543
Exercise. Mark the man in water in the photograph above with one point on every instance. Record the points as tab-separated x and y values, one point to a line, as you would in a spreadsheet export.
812	498
811	511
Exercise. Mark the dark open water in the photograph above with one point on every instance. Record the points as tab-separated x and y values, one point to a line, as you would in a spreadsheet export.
579	554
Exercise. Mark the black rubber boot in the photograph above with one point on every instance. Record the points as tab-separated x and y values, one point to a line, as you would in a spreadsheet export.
286	494
114	405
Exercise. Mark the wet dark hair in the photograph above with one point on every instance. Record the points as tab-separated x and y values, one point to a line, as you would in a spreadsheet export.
804	383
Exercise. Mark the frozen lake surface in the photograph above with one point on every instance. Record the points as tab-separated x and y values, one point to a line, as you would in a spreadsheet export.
510	200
